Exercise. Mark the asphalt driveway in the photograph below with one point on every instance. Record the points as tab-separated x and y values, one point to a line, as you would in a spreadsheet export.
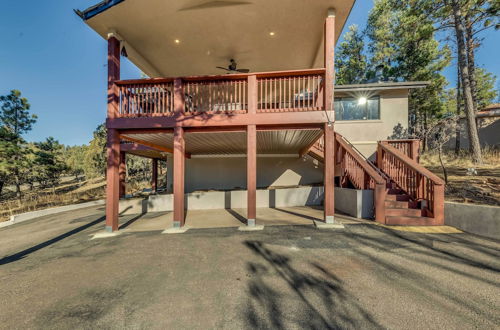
364	276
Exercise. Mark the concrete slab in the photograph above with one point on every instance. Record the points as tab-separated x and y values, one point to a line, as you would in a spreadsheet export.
104	234
251	228
322	225
176	230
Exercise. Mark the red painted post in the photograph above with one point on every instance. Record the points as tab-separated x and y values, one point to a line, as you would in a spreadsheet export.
113	75
329	173
415	150
154	176
179	156
252	154
251	174
112	180
113	138
379	201
179	152
329	62
438	207
123	173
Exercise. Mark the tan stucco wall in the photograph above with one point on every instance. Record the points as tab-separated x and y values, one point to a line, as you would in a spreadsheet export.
222	173
364	134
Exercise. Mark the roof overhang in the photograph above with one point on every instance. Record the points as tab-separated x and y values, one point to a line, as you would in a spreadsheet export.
210	33
406	85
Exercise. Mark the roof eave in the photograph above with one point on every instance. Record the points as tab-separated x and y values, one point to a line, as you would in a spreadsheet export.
97	9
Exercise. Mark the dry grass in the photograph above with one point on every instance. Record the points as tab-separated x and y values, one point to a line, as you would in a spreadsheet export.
480	185
72	192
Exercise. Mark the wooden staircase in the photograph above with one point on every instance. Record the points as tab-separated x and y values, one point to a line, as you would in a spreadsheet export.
405	192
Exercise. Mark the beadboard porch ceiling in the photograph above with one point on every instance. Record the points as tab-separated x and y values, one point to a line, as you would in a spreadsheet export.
192	37
230	143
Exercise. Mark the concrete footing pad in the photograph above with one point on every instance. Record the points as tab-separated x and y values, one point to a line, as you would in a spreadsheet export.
323	225
176	230
105	234
251	228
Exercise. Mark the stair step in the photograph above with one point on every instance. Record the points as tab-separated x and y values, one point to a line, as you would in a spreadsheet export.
401	204
400	198
410	221
403	212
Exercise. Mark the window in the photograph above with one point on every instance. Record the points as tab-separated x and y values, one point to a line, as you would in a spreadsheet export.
349	108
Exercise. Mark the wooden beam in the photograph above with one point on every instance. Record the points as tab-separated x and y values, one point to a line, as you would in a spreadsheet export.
151	145
306	149
221	120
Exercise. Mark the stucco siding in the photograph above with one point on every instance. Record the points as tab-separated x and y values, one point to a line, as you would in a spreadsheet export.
223	173
364	134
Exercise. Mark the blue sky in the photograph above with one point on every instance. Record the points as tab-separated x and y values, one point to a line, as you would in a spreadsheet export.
58	63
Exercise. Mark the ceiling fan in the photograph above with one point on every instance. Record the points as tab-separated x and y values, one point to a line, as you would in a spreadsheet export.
232	67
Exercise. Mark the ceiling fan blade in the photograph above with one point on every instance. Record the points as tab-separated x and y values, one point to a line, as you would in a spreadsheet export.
243	70
222	68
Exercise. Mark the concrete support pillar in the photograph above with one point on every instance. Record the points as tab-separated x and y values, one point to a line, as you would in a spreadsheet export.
251	174
329	173
113	138
123	173
179	162
154	175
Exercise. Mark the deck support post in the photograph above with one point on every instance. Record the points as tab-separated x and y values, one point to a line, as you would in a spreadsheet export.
252	154
179	162
112	180
123	173
329	173
251	174
113	138
154	175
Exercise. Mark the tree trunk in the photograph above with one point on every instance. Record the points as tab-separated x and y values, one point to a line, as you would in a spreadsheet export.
459	124
445	172
1	187
474	146
471	60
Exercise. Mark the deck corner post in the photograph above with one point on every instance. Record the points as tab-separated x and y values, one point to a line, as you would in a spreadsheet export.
123	173
252	94
379	201
329	173
251	174
113	75
112	180
179	163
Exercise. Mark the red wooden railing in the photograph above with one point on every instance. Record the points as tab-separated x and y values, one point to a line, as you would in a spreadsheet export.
284	93
409	147
361	173
145	98
418	182
275	92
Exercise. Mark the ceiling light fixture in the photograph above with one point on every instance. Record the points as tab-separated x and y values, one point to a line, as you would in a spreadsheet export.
177	41
272	34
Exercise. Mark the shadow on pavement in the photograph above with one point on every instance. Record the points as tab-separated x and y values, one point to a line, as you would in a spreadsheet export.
322	301
19	255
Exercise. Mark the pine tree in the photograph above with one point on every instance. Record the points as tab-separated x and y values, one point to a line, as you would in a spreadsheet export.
350	61
15	120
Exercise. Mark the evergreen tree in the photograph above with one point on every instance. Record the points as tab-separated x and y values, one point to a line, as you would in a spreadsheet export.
95	155
350	61
15	120
49	162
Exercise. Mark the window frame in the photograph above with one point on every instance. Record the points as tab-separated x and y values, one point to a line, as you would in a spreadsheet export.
366	117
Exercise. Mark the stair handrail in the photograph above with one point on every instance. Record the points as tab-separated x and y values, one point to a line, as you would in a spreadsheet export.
387	179
417	181
366	166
